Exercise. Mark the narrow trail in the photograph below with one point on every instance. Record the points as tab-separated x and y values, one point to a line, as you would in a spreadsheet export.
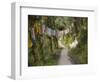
64	56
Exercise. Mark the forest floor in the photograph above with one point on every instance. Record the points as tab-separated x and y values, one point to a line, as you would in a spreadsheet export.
64	58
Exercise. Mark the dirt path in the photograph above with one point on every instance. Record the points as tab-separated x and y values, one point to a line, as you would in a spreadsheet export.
64	58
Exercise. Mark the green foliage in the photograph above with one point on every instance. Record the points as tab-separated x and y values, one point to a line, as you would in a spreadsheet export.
80	53
45	51
68	39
